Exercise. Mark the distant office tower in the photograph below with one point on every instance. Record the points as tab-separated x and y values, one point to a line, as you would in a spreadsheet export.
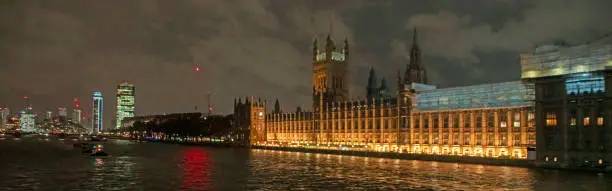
28	107
97	111
61	111
76	116
28	121
49	114
4	113
125	102
76	112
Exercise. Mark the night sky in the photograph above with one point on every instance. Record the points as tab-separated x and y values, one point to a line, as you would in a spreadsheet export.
53	51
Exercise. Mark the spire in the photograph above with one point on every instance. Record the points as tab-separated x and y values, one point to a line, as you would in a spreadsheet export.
276	106
415	72
315	49
407	75
399	81
382	90
414	37
346	47
372	88
331	24
330	45
399	77
415	52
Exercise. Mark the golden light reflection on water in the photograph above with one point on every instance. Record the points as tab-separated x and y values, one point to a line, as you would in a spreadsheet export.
379	173
139	166
479	169
99	162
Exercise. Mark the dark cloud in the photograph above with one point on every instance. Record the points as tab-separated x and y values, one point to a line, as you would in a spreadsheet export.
56	50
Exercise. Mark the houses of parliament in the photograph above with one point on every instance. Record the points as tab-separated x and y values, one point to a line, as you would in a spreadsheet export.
482	120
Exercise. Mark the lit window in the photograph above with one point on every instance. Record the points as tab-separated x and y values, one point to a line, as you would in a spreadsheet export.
587	121
600	161
503	119
517	120
531	119
573	121
555	159
531	139
551	119
600	121
546	159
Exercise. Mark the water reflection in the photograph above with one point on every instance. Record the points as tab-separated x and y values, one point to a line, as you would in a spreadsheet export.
375	173
196	170
99	163
97	178
37	164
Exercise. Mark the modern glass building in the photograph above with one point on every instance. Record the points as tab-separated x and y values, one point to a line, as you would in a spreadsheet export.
4	113
573	104
125	102
76	116
62	112
28	122
97	111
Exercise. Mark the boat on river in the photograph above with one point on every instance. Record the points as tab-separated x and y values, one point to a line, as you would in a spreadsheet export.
93	149
97	151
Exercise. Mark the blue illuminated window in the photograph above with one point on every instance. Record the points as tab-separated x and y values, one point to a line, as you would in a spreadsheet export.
584	84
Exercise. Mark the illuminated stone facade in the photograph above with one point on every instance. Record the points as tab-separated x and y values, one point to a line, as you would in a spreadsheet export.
490	120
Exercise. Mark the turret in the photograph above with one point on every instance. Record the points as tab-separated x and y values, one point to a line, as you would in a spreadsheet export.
346	48
382	90
277	107
399	84
330	45
372	88
315	49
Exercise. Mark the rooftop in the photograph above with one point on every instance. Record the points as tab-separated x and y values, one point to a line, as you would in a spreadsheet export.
561	59
506	94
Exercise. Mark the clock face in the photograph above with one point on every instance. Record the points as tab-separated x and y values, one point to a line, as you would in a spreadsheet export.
260	113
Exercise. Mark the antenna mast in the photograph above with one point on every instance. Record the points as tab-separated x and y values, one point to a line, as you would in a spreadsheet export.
210	108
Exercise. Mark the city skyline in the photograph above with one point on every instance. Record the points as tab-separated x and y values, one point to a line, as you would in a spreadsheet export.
306	95
478	48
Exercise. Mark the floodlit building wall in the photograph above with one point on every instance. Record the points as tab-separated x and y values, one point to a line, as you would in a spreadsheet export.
506	129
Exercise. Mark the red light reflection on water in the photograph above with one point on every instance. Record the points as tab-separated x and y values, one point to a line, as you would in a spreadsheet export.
99	162
196	170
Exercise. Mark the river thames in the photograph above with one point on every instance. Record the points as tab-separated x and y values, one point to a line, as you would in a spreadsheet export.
46	163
